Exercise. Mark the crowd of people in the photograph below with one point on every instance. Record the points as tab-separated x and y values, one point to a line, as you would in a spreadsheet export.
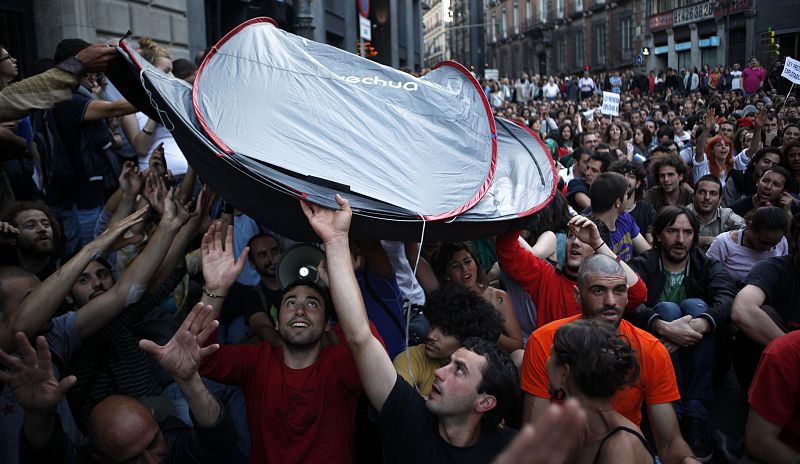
142	318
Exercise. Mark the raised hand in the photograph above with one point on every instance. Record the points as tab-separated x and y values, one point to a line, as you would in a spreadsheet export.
8	233
31	378
112	238
130	180
329	224
220	268
761	118
182	355
586	230
711	119
155	191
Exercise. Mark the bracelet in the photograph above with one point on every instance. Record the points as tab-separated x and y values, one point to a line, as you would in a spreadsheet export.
211	295
599	246
147	131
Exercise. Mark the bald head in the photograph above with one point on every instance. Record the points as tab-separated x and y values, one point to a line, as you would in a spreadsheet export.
121	429
598	264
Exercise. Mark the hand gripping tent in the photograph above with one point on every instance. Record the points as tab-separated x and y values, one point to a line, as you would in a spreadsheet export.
273	117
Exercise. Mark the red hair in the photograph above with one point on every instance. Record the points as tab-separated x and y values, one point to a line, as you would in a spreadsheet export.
715	168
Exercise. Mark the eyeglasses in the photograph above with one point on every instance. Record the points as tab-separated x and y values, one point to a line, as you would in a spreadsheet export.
7	57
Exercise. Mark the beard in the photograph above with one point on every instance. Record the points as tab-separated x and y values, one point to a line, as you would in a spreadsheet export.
36	246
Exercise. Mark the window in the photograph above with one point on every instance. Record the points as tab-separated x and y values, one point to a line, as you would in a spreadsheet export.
543	11
504	23
515	17
599	43
578	5
559	9
528	10
495	26
626	41
561	52
579	44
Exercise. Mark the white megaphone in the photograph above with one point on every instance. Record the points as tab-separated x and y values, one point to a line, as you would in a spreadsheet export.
299	262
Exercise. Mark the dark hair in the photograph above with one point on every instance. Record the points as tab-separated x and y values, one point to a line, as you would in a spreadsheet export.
580	152
463	314
326	296
607	188
750	172
10	215
667	217
663	148
499	378
709	178
626	166
601	362
665	130
785	158
68	48
672	160
782	171
604	158
445	253
768	218
183	68
258	236
553	217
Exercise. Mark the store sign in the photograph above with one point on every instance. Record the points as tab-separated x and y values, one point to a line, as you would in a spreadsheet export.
712	41
732	6
660	21
692	13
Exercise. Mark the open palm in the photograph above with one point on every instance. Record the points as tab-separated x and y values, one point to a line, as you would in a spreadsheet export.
181	356
220	268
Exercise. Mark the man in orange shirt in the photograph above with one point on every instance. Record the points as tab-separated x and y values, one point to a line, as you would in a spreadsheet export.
602	292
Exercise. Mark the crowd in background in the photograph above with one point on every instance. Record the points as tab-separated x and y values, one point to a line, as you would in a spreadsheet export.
142	318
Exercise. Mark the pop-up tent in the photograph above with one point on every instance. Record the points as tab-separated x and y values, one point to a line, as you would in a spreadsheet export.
274	117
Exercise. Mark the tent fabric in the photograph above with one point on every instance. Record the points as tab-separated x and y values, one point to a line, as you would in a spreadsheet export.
524	180
334	116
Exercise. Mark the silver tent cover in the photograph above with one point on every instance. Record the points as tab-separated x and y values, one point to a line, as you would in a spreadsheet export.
523	183
331	115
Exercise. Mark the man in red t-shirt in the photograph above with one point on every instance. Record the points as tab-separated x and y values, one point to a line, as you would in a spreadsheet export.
551	289
773	426
753	77
602	291
301	396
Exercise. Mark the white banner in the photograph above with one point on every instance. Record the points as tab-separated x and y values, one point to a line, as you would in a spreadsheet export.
490	74
791	70
365	28
610	103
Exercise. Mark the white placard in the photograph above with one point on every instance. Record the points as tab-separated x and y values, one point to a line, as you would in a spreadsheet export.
791	70
365	28
490	74
610	104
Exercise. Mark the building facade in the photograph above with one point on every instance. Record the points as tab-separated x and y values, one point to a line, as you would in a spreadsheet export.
466	34
435	24
685	33
563	36
31	29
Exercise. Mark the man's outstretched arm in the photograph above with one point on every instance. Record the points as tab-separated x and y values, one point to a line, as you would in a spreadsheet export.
375	368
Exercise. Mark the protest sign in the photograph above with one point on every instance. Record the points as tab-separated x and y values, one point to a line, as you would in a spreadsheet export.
791	70
610	104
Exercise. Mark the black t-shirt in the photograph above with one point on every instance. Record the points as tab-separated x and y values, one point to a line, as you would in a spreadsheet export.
411	433
780	281
742	206
644	214
246	300
89	188
576	186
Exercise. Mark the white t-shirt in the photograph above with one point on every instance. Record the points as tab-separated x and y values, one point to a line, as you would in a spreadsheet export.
173	155
736	80
738	259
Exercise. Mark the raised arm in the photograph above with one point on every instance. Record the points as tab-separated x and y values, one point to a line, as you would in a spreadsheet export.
132	284
586	230
35	387
220	267
38	307
375	368
181	358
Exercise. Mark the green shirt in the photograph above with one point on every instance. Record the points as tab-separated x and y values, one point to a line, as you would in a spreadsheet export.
674	290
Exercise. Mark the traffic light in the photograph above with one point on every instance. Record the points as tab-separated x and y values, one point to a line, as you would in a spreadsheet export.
645	51
768	42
